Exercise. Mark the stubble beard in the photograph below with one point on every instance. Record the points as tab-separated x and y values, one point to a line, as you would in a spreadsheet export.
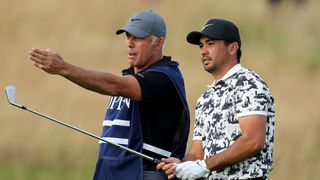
210	68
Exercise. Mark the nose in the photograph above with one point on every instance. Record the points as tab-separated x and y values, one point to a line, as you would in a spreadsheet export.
203	51
129	42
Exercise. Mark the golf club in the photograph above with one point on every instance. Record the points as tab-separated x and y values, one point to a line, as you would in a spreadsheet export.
11	93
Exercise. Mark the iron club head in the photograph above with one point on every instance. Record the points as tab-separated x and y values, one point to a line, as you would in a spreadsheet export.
11	94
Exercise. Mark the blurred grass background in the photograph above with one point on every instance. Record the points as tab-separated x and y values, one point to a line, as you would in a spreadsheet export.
281	44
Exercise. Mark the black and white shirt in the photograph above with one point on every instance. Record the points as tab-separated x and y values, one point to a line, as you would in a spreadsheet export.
241	92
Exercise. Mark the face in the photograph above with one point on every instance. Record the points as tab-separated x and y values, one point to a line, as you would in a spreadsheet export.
140	51
213	54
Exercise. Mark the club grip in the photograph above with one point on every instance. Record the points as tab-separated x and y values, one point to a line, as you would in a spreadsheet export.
156	161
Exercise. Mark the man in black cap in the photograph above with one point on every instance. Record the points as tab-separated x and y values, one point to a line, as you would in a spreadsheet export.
234	127
147	100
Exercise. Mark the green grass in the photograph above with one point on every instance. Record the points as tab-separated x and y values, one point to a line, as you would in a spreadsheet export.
19	169
281	45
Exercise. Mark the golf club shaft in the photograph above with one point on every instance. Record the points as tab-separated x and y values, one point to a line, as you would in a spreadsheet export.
154	160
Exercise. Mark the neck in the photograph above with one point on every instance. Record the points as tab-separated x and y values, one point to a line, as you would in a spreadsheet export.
219	73
151	61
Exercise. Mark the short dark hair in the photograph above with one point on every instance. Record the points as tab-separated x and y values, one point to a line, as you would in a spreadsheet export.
239	53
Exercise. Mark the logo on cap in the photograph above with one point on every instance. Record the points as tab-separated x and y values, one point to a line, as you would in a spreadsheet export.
207	26
133	19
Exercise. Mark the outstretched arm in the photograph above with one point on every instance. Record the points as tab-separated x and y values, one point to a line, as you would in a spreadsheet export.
102	82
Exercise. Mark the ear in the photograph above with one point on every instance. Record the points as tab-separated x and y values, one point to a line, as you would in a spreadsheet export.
160	42
233	48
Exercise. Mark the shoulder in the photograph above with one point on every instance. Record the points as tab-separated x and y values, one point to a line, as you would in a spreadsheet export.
154	82
151	76
249	85
249	79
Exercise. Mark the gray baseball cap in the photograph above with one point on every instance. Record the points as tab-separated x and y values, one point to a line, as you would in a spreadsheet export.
145	23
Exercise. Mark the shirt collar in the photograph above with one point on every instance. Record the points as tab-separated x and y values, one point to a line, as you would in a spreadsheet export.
166	60
231	72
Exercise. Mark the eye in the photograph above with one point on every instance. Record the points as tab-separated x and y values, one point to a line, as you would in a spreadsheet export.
130	36
210	43
140	38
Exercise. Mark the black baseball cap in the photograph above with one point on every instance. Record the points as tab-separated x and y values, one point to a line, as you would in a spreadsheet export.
145	23
219	29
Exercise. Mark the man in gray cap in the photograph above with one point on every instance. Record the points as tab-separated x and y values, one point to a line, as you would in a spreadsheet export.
234	127
146	101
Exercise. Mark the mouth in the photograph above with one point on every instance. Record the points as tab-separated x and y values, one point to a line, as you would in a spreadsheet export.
206	60
131	55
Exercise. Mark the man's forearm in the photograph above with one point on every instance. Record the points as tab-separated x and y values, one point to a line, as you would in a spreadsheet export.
101	82
190	157
241	150
195	152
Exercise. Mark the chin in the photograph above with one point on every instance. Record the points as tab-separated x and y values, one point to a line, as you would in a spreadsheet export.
131	61
209	69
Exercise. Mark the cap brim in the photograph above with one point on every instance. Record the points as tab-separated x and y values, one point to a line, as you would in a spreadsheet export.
133	31
194	37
